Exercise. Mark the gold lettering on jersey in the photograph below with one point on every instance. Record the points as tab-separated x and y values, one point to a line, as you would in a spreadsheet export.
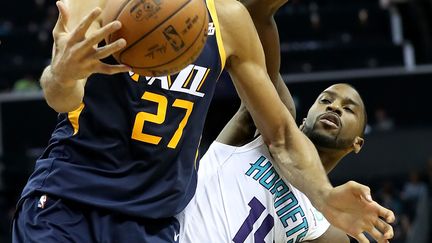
143	118
134	76
189	80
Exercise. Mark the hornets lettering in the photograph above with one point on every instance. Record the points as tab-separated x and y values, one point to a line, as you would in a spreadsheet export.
287	206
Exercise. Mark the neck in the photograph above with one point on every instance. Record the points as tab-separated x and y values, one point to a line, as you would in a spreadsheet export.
330	157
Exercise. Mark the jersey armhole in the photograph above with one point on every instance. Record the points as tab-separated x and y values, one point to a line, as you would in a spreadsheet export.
213	14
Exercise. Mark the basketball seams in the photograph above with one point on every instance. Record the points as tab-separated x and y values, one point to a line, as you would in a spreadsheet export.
154	28
203	29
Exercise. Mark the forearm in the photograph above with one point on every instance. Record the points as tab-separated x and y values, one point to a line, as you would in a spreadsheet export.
241	128
298	162
268	33
332	235
284	94
61	96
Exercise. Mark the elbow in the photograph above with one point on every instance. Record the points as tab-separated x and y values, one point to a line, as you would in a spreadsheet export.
61	98
63	101
60	106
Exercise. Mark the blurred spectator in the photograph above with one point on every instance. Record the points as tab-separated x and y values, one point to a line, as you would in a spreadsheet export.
412	191
414	188
388	196
382	121
363	16
26	84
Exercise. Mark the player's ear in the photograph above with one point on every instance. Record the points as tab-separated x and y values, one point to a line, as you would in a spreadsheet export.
302	124
358	144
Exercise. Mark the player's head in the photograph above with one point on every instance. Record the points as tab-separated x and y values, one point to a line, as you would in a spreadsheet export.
337	119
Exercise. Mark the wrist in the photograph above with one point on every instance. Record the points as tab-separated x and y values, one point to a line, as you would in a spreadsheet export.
323	196
57	78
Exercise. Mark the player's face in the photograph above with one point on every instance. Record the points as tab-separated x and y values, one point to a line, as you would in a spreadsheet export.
336	118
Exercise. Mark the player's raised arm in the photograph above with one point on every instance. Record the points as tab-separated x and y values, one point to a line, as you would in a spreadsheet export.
292	151
262	12
241	129
246	65
75	53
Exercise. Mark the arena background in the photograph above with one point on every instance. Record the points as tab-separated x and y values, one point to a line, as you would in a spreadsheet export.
383	48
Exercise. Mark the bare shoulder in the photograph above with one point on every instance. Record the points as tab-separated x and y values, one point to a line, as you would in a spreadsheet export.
231	14
229	7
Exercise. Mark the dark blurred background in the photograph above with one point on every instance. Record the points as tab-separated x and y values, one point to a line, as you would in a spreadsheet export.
383	48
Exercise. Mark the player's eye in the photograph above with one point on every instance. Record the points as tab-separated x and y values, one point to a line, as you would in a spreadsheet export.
325	101
348	109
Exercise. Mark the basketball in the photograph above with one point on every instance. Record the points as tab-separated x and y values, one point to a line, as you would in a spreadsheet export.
163	36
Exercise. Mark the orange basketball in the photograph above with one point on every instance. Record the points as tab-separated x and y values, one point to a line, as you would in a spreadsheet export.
163	36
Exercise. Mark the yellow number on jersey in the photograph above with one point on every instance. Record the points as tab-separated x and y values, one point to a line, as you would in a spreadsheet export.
159	118
179	132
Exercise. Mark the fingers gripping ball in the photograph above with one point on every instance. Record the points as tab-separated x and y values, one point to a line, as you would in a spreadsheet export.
163	36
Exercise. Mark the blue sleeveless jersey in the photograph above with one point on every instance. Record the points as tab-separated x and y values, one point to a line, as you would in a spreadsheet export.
132	145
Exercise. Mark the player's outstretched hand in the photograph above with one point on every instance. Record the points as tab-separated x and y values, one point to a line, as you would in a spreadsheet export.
350	207
76	55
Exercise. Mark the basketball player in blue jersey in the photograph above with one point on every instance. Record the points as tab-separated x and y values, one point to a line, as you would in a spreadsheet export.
121	161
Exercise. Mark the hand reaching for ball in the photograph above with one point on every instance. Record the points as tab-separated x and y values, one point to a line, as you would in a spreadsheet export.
76	55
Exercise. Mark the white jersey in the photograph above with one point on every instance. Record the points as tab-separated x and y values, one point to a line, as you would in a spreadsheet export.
241	197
